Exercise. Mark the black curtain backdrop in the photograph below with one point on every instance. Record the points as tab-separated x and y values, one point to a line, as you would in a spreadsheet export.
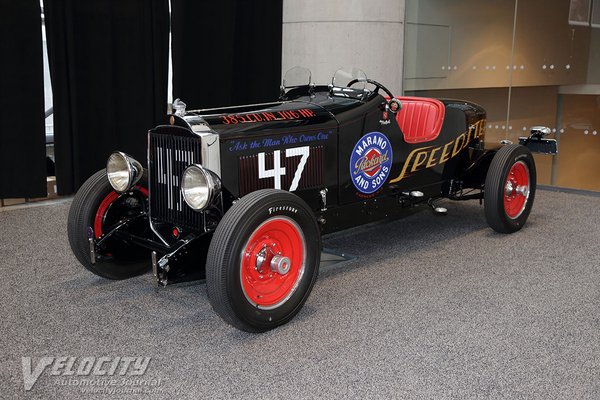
22	137
109	66
226	52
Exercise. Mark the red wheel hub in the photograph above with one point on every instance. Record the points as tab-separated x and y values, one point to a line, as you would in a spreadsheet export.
103	209
273	262
516	190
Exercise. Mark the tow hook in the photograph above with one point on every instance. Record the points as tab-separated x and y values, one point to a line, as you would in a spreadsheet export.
154	265
92	243
160	269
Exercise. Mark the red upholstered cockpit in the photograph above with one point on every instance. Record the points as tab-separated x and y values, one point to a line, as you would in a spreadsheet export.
420	119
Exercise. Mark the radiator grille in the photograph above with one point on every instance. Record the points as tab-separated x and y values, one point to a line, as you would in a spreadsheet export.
168	156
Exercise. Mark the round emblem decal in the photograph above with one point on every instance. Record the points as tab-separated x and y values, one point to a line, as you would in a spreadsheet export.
371	162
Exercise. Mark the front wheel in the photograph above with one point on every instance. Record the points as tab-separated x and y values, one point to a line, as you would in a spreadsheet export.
263	260
96	209
509	188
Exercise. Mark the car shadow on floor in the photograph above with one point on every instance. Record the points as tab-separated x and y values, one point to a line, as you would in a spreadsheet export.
415	233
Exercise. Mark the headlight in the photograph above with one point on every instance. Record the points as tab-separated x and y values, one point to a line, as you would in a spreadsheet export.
199	187
123	171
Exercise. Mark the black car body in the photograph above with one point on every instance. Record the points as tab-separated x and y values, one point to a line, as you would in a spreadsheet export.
348	155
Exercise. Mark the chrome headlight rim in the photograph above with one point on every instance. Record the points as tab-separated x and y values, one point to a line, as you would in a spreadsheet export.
123	171
212	183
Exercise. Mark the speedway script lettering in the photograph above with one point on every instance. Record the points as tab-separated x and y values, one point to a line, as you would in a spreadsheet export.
430	156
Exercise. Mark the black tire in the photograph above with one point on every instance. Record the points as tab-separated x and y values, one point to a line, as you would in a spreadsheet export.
118	260
224	268
496	214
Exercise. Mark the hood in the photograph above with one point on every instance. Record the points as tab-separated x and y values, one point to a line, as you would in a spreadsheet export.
291	116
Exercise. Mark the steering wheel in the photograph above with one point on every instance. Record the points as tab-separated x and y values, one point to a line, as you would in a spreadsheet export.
393	104
374	83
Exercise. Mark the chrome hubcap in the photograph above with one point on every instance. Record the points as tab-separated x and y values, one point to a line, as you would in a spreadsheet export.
280	264
523	190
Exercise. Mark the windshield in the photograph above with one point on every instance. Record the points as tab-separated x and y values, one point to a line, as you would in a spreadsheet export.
296	77
349	82
346	82
349	77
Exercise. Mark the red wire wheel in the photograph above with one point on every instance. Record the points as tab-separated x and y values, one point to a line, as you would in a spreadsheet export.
516	190
273	262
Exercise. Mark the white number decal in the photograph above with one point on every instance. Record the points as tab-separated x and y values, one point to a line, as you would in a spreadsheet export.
278	171
303	151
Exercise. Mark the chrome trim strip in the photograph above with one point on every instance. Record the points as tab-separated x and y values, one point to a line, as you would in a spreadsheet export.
210	151
199	111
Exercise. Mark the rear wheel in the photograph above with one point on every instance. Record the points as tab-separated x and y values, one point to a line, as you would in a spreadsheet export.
263	260
95	210
510	188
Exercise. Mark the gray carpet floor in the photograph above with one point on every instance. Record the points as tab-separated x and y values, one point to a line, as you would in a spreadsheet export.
433	308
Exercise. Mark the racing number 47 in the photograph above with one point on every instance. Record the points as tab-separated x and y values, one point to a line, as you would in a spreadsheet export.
278	171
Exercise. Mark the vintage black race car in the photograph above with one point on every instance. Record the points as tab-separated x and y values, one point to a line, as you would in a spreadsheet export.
242	195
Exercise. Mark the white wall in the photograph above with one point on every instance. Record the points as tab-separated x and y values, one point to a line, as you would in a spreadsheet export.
325	35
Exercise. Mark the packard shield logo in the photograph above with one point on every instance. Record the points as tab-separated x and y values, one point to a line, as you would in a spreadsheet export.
371	162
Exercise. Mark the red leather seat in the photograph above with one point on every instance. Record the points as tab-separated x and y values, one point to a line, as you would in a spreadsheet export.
420	119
